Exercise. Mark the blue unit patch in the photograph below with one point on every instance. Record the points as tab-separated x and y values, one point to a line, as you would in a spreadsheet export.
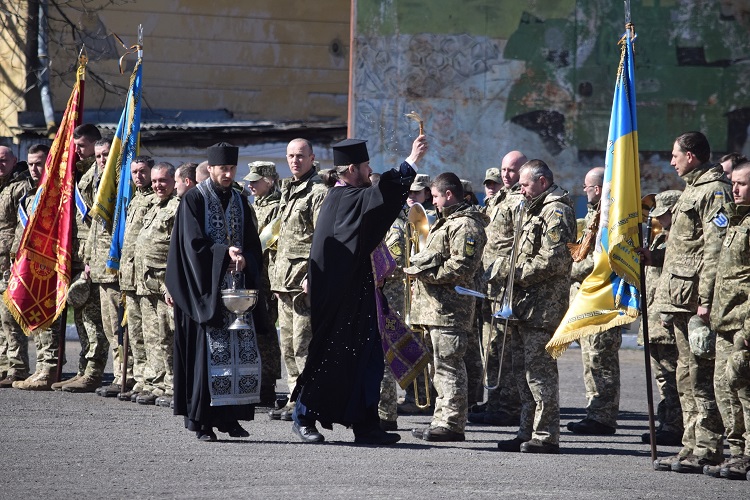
721	220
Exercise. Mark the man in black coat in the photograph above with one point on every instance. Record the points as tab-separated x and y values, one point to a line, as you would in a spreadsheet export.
341	380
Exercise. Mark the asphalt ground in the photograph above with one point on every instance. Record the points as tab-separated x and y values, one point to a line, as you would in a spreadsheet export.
59	445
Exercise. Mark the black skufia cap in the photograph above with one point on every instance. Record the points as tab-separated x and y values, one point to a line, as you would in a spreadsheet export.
350	151
223	153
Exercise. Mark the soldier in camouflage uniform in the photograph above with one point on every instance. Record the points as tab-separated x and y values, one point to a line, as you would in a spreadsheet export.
540	300
155	304
699	222
14	346
262	181
600	351
452	256
301	197
140	173
662	346
728	316
184	178
46	340
503	402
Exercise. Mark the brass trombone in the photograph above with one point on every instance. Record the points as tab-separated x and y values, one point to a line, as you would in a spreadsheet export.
417	227
270	234
506	305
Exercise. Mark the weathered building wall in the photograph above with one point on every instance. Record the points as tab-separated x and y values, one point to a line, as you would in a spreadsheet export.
489	76
12	69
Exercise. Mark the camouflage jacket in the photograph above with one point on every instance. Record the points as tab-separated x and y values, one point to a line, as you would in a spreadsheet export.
500	231
583	268
87	184
12	189
452	256
699	222
299	207
730	302
139	205
266	208
26	200
153	246
657	334
394	286
99	241
542	273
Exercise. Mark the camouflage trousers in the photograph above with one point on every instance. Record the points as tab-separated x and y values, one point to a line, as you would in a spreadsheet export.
734	406
109	298
270	353
157	322
700	414
295	333
538	384
664	365
600	354
14	345
505	397
448	347
388	404
141	369
47	343
473	362
94	343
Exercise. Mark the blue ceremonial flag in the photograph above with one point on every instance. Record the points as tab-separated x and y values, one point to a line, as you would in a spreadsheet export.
116	188
610	296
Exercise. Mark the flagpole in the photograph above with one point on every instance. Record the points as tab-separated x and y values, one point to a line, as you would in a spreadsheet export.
644	301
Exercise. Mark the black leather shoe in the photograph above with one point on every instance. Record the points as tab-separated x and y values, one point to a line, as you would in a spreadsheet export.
134	397
388	425
590	427
377	437
163	401
438	434
235	431
109	391
663	438
146	398
511	445
208	436
308	434
536	446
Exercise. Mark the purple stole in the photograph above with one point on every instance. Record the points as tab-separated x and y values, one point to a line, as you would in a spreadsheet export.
405	353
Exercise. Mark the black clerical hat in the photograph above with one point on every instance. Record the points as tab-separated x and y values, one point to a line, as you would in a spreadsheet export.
223	153
350	151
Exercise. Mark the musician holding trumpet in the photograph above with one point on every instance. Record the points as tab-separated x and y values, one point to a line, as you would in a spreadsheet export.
452	255
544	224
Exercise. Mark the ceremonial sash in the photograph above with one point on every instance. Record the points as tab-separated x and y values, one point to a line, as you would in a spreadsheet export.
234	363
405	353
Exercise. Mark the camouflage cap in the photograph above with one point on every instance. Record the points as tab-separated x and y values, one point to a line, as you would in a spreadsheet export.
664	202
466	184
493	174
78	291
421	181
702	339
260	169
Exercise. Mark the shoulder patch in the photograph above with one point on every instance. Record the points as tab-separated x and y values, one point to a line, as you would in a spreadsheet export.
721	220
559	212
470	246
395	249
554	235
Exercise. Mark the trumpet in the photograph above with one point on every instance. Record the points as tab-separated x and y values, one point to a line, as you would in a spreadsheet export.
270	234
505	310
417	228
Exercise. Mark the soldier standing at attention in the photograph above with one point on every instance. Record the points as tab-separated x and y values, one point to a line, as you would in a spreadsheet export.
301	198
600	353
729	314
14	346
503	403
699	224
157	320
262	181
140	174
452	256
540	300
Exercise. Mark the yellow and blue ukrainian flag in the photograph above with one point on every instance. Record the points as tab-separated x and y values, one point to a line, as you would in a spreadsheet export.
610	296
116	188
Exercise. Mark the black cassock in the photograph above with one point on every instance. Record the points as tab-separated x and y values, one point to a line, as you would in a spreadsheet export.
341	380
196	267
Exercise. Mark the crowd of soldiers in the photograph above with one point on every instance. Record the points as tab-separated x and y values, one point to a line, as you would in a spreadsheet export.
526	234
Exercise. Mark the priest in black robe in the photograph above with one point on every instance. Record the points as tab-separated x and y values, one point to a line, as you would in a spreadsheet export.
341	380
216	370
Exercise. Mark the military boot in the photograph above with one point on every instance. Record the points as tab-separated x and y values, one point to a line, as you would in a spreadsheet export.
738	469
40	381
8	381
57	386
83	384
715	470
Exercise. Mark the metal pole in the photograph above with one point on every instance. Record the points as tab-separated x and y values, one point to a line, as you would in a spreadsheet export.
646	348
